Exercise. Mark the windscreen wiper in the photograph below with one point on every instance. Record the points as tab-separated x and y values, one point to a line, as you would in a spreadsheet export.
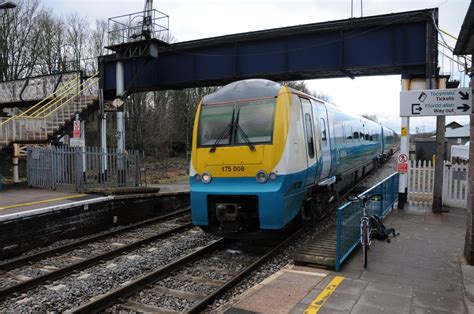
245	137
223	134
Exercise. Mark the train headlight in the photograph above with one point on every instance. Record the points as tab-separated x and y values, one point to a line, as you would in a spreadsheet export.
261	176
197	177
206	177
272	176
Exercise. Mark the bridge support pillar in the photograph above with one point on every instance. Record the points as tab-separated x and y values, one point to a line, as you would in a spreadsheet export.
120	123
103	137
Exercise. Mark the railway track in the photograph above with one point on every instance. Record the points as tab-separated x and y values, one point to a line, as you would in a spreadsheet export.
190	283
120	241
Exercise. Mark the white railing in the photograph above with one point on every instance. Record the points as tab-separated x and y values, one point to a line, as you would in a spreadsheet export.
455	185
46	117
421	179
420	182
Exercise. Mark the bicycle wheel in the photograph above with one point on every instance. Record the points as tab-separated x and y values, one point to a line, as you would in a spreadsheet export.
365	244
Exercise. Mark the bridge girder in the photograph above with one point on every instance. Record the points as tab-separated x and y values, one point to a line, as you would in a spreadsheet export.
399	43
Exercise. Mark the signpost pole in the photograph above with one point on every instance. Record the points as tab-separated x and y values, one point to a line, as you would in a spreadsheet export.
440	157
404	149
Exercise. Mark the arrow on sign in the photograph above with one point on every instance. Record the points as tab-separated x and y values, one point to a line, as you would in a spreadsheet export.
464	107
416	107
464	96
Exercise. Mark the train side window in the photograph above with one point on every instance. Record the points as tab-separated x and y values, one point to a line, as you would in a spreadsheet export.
338	134
309	135
356	135
324	138
349	134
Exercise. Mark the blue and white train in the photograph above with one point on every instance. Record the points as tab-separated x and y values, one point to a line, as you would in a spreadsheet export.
265	155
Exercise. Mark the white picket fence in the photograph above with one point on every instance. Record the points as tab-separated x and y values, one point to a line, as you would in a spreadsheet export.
455	186
421	183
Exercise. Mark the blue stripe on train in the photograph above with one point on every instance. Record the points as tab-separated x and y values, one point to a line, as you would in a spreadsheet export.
279	200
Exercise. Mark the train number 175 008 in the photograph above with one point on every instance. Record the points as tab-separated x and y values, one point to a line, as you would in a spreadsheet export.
233	168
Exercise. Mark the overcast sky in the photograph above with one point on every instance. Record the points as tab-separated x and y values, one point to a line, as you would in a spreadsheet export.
192	19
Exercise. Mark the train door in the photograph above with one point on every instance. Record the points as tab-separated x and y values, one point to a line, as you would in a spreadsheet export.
325	142
309	136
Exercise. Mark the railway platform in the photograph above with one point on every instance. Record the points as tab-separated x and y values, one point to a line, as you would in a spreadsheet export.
420	271
31	217
19	201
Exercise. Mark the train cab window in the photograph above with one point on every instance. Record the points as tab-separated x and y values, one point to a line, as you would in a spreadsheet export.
367	138
309	134
213	124
237	123
256	120
324	138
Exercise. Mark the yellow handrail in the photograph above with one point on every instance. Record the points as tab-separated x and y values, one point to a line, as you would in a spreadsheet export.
88	81
73	92
41	101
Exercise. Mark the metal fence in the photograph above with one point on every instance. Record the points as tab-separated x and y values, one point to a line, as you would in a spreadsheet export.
79	169
348	216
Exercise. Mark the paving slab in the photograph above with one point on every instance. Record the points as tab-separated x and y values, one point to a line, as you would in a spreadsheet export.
420	271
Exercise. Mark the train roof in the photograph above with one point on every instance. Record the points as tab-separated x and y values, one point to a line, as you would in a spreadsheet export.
244	89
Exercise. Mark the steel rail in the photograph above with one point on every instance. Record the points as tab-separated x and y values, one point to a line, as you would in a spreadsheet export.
104	301
48	253
201	305
119	294
35	282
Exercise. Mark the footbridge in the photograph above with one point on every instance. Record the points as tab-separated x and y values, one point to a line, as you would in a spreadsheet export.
400	43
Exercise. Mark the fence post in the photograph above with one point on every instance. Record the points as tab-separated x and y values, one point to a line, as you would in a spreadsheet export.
54	166
338	240
78	157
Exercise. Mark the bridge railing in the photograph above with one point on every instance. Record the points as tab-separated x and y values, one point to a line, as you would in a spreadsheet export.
41	120
35	88
349	214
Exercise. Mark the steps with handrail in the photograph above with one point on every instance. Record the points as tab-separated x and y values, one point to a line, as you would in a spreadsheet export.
39	123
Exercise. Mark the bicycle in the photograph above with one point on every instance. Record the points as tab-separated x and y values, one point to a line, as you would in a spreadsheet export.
365	229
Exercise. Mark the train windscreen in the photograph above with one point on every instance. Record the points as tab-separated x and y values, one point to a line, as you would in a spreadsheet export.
237	123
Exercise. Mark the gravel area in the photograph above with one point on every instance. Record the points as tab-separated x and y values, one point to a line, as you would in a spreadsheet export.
86	251
70	292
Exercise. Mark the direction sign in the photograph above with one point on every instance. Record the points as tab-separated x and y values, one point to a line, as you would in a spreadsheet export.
436	102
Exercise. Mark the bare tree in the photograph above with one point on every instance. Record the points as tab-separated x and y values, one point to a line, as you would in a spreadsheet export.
51	32
372	117
19	33
75	43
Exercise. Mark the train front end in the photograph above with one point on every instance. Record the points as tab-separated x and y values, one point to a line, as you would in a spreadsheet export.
239	137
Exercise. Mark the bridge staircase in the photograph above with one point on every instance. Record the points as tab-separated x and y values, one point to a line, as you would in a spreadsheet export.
43	121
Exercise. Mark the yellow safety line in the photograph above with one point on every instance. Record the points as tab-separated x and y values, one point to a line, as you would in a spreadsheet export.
318	302
43	201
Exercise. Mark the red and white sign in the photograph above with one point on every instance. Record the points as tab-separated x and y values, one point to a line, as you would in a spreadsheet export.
76	133
402	168
402	158
402	165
